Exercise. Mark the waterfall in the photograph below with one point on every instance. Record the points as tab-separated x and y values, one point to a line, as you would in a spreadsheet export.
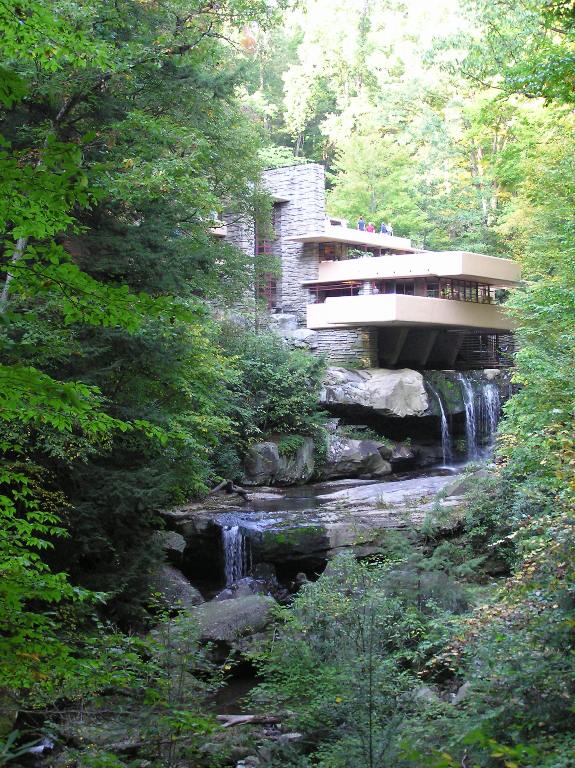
468	395
482	411
489	411
445	434
236	551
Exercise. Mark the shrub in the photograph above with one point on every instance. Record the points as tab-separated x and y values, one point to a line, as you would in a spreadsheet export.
276	388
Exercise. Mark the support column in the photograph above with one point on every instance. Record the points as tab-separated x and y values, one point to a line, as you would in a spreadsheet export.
427	347
455	349
397	348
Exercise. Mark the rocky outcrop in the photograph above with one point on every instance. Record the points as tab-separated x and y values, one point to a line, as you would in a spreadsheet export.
173	545
355	458
356	518
261	464
287	327
266	464
174	589
402	452
300	529
386	392
227	620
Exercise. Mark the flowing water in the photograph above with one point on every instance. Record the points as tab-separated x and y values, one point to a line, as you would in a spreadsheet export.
236	549
482	410
468	395
489	412
322	509
446	444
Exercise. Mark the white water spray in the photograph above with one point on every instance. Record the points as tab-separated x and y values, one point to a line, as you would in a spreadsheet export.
468	395
482	410
236	551
489	412
446	445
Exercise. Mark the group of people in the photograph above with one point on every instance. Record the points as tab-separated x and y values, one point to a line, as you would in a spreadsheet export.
384	229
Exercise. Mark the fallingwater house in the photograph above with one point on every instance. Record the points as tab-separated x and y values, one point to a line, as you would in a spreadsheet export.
374	299
377	308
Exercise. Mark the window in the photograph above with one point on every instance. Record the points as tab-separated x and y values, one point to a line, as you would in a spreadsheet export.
405	287
432	288
485	294
263	247
267	289
266	283
319	293
464	290
330	251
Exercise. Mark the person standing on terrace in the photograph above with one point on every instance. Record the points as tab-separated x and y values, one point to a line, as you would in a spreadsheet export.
370	227
383	230
361	224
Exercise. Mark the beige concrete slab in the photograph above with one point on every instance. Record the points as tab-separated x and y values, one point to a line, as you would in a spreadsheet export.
337	234
394	309
457	264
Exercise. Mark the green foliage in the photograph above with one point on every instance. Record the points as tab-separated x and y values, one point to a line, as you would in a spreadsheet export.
113	384
277	157
11	749
376	179
346	662
363	433
320	449
153	691
289	445
276	390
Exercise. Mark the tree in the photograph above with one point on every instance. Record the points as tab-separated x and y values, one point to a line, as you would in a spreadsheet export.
109	367
374	177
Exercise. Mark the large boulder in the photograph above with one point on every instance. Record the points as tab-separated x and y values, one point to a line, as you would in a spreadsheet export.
261	463
287	326
173	545
297	467
355	458
402	452
267	464
389	393
304	339
227	620
174	589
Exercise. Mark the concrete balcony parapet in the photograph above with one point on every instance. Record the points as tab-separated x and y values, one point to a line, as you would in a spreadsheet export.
356	237
457	264
398	310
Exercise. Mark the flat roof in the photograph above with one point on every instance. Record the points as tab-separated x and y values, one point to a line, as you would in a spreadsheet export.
460	265
338	234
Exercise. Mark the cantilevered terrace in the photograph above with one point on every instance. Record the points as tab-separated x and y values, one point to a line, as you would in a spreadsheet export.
426	303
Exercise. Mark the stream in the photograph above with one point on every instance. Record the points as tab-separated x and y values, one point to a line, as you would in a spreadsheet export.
299	528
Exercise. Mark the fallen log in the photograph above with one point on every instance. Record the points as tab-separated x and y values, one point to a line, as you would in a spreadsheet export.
228	721
230	487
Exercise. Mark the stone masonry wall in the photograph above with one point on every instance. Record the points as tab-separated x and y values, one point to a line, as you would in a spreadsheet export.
304	188
241	232
357	345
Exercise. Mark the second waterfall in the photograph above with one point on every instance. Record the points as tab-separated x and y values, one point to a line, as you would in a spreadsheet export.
482	408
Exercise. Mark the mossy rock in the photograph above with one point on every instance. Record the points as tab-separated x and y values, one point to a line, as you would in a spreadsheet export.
449	389
287	542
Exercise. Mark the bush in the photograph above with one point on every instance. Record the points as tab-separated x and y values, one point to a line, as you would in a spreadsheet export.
276	389
346	662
